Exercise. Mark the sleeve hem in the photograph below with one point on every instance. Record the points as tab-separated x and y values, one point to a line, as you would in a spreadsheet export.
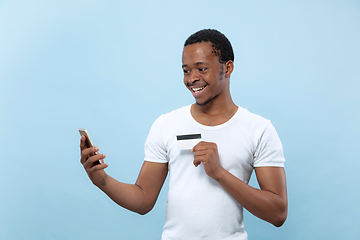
269	165
155	160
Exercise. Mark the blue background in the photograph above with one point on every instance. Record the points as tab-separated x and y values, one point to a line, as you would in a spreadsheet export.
114	66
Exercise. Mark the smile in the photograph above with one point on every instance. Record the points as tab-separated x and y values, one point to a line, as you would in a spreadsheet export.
197	89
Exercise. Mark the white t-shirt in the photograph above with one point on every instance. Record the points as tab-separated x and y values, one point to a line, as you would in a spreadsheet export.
197	206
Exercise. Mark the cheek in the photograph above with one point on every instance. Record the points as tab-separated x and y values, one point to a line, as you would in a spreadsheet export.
186	80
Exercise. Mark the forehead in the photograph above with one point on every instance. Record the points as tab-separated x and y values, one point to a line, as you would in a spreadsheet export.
199	52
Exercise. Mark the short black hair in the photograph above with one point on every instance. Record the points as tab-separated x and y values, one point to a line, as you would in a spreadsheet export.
221	45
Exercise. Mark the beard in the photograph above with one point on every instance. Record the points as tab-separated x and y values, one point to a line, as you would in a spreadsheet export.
206	102
210	98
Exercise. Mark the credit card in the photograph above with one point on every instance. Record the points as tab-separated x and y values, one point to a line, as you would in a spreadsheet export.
188	141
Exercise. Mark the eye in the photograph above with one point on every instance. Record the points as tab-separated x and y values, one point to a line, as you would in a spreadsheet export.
186	71
202	69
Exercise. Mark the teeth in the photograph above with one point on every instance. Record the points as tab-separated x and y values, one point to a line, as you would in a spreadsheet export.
198	89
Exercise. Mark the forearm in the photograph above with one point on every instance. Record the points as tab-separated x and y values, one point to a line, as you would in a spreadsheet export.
264	204
139	197
129	196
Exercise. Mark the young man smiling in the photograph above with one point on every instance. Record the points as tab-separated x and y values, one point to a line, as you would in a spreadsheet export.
207	183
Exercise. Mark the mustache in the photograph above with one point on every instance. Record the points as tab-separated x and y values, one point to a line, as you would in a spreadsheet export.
195	85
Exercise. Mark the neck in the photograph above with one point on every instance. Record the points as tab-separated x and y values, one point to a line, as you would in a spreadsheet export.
214	113
215	108
218	105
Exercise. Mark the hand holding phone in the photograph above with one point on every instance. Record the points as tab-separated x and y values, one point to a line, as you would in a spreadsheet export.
88	142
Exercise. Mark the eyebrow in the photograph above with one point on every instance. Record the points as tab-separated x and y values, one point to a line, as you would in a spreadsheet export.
195	64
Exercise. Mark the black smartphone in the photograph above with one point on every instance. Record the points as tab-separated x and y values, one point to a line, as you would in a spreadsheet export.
88	141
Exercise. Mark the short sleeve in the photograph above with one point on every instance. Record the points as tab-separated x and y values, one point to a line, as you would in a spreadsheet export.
269	150
155	150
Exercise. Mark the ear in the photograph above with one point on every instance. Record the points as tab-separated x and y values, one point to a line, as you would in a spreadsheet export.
229	67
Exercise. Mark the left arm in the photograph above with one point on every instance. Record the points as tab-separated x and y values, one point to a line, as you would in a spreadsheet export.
268	203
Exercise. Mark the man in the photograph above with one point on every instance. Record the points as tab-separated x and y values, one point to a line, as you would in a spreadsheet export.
208	184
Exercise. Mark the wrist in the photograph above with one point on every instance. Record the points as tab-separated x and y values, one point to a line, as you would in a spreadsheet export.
219	176
101	182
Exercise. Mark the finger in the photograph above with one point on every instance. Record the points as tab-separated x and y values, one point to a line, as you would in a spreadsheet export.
202	146
196	163
196	147
82	142
89	163
199	153
93	160
98	167
90	151
200	157
87	152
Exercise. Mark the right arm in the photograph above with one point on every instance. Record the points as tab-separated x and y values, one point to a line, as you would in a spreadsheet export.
139	197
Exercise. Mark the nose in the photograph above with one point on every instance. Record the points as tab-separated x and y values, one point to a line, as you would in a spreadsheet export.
193	77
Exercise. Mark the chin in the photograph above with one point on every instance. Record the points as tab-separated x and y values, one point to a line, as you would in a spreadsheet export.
204	103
